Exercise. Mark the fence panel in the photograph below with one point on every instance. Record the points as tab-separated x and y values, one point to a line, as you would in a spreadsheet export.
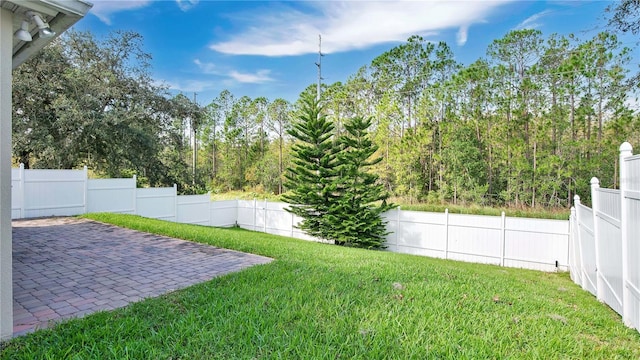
253	213
609	246
247	214
223	213
392	219
278	220
193	209
157	203
54	193
260	216
609	202
111	195
587	247
299	234
538	244
632	203
420	233
475	238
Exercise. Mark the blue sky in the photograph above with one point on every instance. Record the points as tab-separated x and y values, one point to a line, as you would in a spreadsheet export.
269	48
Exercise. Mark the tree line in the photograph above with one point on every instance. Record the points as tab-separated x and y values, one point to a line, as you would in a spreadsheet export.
526	125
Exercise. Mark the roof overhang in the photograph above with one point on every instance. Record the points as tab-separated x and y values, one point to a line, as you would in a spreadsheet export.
60	14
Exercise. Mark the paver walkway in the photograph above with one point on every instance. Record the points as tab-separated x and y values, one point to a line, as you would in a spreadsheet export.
69	267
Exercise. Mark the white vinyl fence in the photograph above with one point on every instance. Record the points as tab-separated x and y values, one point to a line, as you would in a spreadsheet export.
514	242
539	244
605	241
38	193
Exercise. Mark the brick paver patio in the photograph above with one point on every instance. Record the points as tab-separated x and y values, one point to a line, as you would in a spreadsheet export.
69	267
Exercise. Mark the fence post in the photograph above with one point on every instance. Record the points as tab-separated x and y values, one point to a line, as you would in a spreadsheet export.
210	223
583	280
572	243
135	195
265	215
503	238
255	213
625	151
237	212
446	233
398	227
22	190
595	205
175	203
292	223
86	189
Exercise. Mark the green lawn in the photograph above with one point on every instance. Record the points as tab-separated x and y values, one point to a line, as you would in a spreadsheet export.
540	213
321	301
474	209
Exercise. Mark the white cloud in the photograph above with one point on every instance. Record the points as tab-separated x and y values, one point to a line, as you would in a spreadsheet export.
531	21
104	8
186	5
347	25
261	76
461	37
207	68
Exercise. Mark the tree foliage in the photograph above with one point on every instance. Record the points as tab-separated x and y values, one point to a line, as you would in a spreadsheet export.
331	188
528	124
79	94
313	170
356	217
625	16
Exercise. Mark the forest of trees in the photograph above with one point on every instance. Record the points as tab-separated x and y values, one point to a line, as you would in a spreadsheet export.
527	125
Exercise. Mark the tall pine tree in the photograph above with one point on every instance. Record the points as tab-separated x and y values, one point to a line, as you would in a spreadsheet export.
332	190
355	215
311	177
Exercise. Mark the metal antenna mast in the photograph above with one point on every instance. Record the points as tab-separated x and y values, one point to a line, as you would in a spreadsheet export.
319	65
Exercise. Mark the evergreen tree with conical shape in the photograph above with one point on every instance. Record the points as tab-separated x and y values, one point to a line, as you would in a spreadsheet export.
356	214
311	177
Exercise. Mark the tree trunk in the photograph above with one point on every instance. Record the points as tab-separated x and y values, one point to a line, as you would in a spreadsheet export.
572	116
533	180
280	167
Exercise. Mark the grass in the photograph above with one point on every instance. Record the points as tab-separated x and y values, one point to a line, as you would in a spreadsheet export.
245	195
540	213
318	301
